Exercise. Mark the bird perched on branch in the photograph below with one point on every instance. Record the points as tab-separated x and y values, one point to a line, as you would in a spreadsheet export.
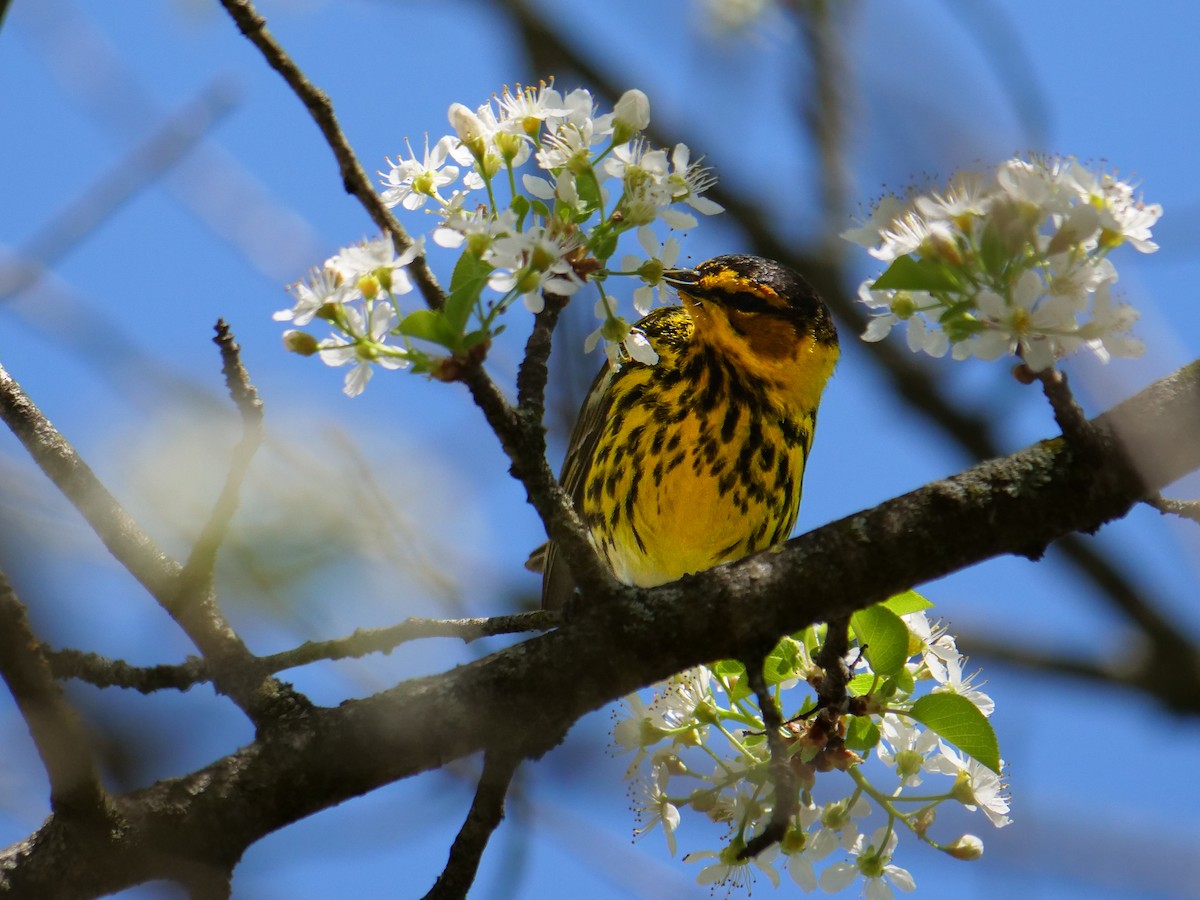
697	459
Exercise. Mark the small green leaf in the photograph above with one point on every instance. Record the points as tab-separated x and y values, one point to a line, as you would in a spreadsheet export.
588	188
520	205
733	672
861	733
959	722
429	325
782	662
541	209
908	602
902	681
466	284
908	274
605	247
885	637
860	685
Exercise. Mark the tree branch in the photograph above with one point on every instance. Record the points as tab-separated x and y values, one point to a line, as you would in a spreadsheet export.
236	672
61	741
103	672
524	441
783	778
505	702
354	178
484	817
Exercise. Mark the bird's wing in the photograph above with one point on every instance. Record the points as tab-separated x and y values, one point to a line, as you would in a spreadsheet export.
557	581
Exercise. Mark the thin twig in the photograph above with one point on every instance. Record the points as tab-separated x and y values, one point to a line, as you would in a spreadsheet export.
524	441
1067	413
199	617
1185	509
385	640
484	817
783	778
61	741
104	672
254	27
534	373
203	556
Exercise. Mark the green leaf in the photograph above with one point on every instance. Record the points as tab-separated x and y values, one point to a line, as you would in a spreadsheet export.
908	274
588	188
782	662
733	671
959	722
861	733
520	205
466	284
885	637
860	685
541	209
908	602
605	247
429	325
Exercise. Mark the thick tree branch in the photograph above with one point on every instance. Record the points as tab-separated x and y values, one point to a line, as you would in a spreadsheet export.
505	702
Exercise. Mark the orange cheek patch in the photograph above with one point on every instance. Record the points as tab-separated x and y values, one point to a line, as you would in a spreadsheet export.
769	337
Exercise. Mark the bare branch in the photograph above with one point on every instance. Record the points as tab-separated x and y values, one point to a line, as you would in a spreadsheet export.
200	564
254	27
783	778
103	672
1185	509
62	743
484	817
237	674
524	441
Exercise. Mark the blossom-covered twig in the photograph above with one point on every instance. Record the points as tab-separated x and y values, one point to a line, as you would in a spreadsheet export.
1010	261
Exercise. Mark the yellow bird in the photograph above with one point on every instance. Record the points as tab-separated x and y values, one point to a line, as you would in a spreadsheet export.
698	459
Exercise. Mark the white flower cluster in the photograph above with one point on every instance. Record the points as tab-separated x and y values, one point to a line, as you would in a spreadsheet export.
355	291
584	181
1012	261
708	714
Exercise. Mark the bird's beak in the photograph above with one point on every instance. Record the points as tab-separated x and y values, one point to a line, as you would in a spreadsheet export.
681	277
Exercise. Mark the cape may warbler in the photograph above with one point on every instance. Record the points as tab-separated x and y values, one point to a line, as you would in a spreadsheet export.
697	460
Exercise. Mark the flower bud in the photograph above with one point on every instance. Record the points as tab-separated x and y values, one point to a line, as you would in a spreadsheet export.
966	847
631	114
300	342
469	128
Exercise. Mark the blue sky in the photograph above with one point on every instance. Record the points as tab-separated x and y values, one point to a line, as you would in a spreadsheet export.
114	343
